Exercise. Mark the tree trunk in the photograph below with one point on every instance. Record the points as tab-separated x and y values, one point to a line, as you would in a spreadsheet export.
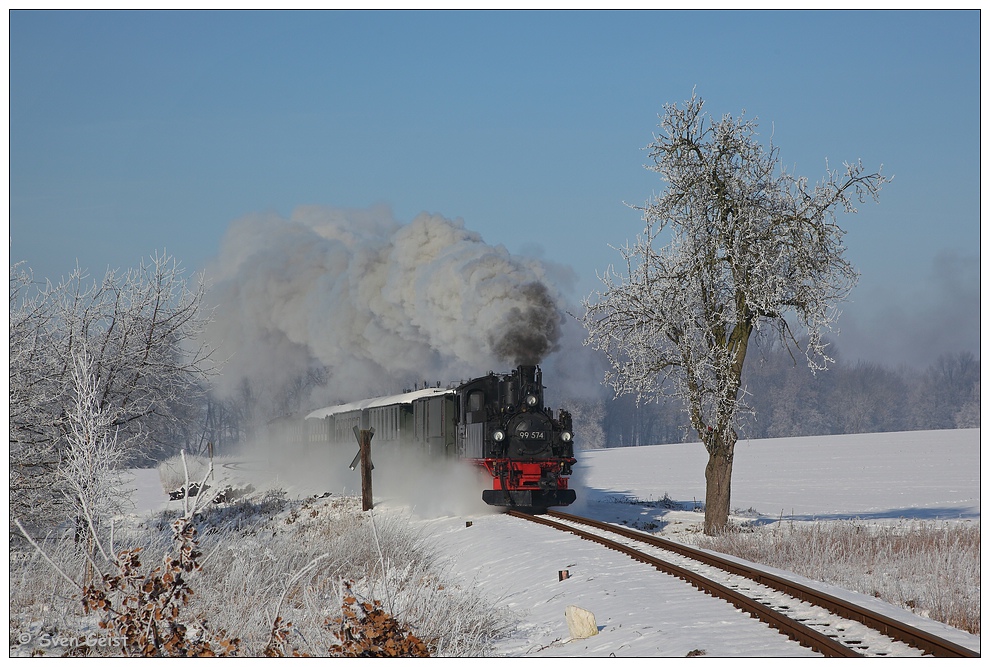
718	481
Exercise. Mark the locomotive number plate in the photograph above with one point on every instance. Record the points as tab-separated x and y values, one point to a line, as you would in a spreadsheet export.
531	435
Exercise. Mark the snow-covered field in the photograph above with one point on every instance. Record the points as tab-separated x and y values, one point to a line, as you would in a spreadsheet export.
909	475
872	478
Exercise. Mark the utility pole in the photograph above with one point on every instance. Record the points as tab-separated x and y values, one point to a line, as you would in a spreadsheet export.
364	454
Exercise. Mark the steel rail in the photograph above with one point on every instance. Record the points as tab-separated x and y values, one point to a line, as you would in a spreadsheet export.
893	628
797	631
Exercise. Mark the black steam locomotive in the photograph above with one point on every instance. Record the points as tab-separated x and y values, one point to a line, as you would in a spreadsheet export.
498	422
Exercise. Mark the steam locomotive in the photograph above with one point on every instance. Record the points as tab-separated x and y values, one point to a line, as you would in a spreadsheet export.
497	422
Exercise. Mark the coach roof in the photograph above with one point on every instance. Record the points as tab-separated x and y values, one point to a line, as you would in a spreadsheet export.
382	401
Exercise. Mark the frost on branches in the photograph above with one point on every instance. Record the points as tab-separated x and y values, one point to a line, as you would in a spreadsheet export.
99	370
749	248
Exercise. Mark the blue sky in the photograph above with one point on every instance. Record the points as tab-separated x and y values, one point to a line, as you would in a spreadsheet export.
131	132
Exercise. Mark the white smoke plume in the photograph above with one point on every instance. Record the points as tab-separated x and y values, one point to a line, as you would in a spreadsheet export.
382	305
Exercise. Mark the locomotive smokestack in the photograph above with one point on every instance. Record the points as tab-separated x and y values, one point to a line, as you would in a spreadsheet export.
528	375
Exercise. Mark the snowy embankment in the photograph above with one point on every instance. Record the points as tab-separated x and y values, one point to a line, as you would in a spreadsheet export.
875	478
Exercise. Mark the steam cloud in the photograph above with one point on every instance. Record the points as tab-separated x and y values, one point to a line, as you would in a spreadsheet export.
377	302
894	326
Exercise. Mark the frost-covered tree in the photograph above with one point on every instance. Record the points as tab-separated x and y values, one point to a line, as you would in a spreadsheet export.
748	248
89	471
590	413
968	415
137	334
944	389
867	398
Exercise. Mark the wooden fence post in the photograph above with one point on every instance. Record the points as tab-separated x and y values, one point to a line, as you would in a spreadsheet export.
364	442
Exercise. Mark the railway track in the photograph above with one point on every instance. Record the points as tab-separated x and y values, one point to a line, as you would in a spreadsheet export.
817	620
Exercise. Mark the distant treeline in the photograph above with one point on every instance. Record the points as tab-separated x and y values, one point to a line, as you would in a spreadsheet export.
786	399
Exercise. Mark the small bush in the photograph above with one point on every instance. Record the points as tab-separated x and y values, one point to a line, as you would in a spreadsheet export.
366	630
145	609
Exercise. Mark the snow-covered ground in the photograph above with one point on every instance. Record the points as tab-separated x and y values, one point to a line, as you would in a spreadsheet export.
875	478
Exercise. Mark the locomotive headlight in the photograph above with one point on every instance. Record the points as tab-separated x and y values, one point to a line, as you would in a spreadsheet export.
531	400
566	436
498	435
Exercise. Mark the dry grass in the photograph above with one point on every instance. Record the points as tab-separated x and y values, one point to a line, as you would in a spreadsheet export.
273	564
932	568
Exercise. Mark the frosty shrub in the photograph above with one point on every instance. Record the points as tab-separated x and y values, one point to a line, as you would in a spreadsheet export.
41	605
134	609
143	608
929	567
299	558
264	575
365	630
